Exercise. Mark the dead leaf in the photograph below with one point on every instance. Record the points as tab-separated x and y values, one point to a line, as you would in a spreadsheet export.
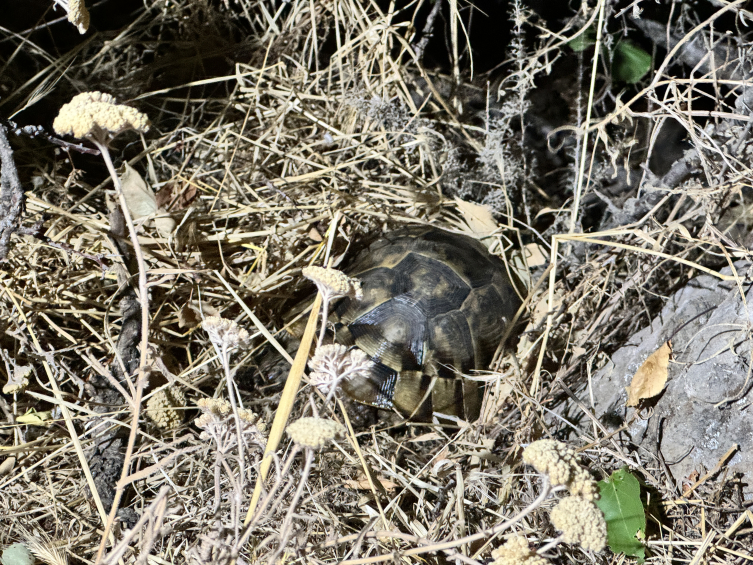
175	197
141	200
188	317
442	468
544	211
19	380
7	466
478	217
165	225
166	194
650	378
690	481
362	483
535	255
34	418
139	197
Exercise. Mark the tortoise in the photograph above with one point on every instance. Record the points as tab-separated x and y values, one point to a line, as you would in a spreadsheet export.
435	305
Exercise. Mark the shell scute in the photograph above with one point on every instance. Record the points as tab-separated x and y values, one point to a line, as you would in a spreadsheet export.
377	285
482	310
393	333
468	258
431	285
451	345
377	389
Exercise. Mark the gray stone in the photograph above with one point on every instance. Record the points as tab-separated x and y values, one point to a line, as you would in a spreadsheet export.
706	406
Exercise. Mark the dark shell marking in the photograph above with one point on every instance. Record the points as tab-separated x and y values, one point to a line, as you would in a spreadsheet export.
435	304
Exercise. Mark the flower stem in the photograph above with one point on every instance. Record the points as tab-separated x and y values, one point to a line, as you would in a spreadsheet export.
225	358
141	379
325	314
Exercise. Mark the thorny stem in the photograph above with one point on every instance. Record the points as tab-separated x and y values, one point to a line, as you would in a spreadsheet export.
141	379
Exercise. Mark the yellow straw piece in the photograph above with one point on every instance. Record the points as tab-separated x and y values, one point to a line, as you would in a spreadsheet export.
286	403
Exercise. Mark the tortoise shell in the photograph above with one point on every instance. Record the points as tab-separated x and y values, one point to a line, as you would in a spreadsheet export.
435	305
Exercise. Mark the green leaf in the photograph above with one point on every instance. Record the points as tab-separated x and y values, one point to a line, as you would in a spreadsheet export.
17	554
623	511
583	41
631	63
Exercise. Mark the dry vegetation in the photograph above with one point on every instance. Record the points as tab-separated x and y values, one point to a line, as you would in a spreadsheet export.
287	133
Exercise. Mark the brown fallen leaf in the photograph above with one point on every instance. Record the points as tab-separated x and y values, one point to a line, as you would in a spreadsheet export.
176	197
688	482
362	483
7	466
650	378
188	317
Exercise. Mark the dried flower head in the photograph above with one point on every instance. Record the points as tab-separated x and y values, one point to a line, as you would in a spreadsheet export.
253	426
225	334
333	283
334	363
19	380
581	522
215	406
581	484
251	417
164	407
217	418
78	15
97	115
314	432
213	411
559	462
516	551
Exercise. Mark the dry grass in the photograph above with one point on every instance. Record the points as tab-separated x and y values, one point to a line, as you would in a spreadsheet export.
319	141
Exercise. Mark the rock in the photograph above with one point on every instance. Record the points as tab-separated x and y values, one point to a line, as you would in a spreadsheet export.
706	406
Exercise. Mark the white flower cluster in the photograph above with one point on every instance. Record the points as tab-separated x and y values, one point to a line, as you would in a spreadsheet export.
225	334
581	522
218	423
560	463
334	363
